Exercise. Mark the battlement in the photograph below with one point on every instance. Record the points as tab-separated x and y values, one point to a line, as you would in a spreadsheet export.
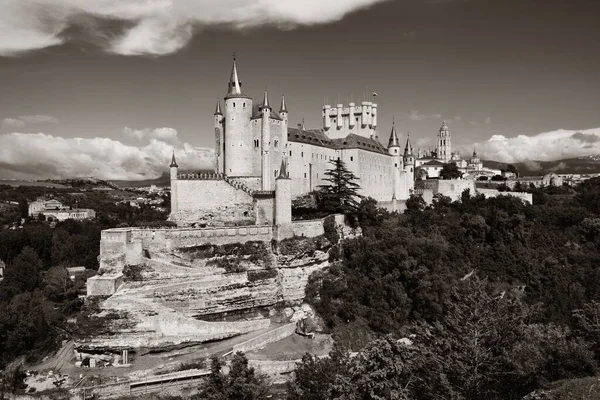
189	176
356	110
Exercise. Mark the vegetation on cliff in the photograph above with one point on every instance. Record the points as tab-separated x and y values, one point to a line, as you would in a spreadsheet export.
479	298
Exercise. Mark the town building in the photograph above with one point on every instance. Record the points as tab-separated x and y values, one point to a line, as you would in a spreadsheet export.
55	209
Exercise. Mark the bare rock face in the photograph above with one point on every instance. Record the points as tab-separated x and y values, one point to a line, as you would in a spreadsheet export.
210	292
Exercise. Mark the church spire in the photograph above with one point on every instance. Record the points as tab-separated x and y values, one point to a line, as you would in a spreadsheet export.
394	142
283	107
218	109
235	86
173	162
302	126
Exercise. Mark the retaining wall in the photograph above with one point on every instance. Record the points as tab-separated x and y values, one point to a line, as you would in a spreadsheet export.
101	285
266	338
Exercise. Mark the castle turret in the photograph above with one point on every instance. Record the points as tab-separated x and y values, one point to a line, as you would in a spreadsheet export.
219	150
398	165
173	170
237	134
340	118
265	110
409	160
444	147
352	120
326	117
283	114
283	203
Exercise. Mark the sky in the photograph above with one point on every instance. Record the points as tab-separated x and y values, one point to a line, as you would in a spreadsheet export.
109	88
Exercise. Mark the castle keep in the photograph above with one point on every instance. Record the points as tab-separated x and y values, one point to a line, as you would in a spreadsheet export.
261	163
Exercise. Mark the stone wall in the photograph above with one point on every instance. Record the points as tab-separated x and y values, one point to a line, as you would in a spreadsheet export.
212	202
526	197
452	188
310	228
266	338
103	285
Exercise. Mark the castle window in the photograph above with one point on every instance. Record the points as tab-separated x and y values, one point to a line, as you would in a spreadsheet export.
302	154
256	143
275	173
396	165
276	142
234	104
305	174
351	158
290	153
244	105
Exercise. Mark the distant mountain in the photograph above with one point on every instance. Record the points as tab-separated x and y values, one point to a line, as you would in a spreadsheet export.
578	165
162	181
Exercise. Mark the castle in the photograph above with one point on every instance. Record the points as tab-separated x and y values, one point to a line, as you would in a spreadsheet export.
261	163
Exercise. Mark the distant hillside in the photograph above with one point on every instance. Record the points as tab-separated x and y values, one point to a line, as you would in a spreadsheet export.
163	180
579	165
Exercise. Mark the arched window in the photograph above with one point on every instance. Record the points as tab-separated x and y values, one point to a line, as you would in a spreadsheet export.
276	143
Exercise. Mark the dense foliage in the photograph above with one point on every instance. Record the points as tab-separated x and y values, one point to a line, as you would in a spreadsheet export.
495	298
242	382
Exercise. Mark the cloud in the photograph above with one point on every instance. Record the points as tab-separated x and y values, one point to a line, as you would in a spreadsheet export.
152	27
21	121
36	156
167	135
12	123
547	146
417	116
585	138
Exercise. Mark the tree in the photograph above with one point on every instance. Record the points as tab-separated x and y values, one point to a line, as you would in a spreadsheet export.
23	274
315	377
450	171
341	193
498	178
242	382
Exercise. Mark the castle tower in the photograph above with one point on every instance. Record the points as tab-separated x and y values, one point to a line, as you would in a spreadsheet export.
283	114
237	144
444	148
219	150
173	170
409	160
265	110
283	203
397	163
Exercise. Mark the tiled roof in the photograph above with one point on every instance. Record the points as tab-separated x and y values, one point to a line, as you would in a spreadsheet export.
318	138
433	163
256	114
353	141
314	136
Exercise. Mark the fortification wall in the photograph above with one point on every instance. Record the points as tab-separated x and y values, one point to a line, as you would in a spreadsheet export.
452	188
266	338
526	197
310	228
213	202
103	285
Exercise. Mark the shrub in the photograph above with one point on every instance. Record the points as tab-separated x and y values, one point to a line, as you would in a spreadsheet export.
134	273
330	229
262	275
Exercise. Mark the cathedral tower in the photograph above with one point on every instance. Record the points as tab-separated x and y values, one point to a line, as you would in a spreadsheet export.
397	163
237	146
444	148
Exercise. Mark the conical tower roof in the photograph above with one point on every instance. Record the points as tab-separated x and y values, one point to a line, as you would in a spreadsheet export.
283	107
235	85
408	150
394	142
265	103
283	174
173	162
218	108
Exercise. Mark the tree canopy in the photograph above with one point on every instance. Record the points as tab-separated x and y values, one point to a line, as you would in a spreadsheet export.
340	195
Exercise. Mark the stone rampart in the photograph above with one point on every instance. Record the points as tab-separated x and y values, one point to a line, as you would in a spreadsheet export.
212	202
103	285
310	228
266	338
526	197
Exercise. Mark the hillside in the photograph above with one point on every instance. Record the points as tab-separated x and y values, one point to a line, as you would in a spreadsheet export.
578	165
